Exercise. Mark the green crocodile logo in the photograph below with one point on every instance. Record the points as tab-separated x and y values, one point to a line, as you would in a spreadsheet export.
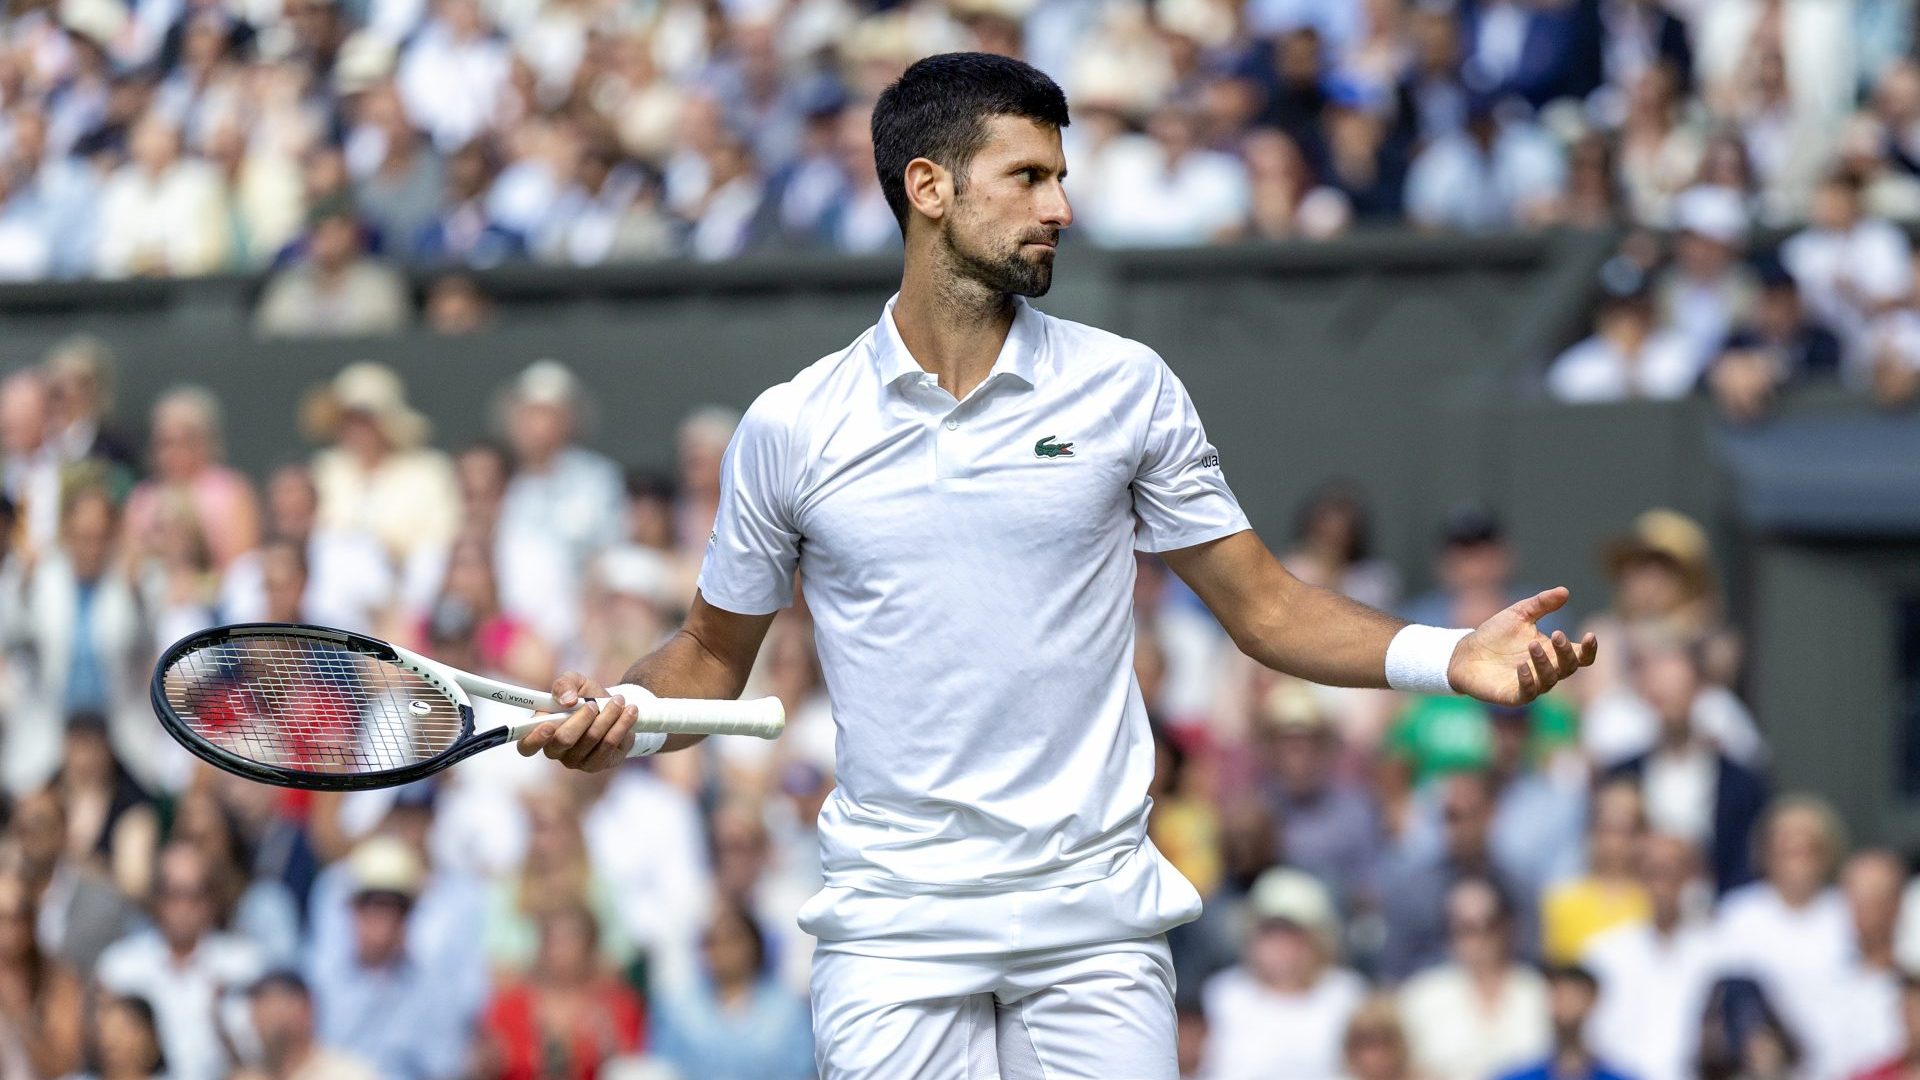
1047	448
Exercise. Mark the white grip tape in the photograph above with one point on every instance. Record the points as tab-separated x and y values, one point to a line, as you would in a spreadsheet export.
764	717
1418	656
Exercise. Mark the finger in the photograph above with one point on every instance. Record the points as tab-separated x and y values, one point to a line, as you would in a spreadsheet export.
1529	689
1566	660
615	743
608	715
1543	665
570	687
532	741
1589	648
1540	605
571	729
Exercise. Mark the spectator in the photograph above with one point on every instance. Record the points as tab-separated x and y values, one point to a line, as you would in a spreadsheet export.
346	578
1708	291
1742	1035
186	458
701	442
77	910
1851	268
456	305
1630	355
1790	932
570	1016
1164	188
1416	881
373	995
1576	911
1862	1015
453	74
80	406
159	214
1332	827
1282	1012
261	911
1282	200
40	997
729	217
1333	547
558	486
31	470
1655	975
112	822
1571	993
398	176
1375	1047
1776	348
378	476
124	1041
1537	52
1481	1014
609	213
1691	788
1495	173
1473	568
733	1021
282	1013
337	289
185	967
464	230
82	623
555	877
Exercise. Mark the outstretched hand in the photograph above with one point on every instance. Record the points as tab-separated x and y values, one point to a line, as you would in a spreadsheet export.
1507	661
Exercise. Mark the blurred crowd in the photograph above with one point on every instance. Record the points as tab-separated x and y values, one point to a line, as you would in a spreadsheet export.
336	139
1602	884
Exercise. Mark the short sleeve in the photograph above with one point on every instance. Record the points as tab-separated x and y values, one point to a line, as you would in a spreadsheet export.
1180	495
754	548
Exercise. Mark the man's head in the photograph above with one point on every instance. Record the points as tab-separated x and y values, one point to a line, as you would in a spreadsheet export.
388	875
540	412
186	433
1571	993
282	1016
283	573
1613	832
1836	202
1474	556
293	503
1479	920
24	406
1669	866
1466	811
87	527
333	235
1802	844
967	148
183	897
1295	929
80	378
1667	676
38	832
1298	739
1874	882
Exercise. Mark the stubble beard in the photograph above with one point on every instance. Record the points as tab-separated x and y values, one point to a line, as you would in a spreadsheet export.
1006	272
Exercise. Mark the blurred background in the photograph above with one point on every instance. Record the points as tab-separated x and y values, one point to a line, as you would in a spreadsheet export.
432	318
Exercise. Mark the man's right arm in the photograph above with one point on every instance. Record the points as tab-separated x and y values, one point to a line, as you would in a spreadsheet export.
708	657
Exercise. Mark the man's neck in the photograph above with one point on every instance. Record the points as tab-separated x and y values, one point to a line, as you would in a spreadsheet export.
951	325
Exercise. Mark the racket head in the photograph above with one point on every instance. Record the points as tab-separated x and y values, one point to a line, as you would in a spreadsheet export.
312	707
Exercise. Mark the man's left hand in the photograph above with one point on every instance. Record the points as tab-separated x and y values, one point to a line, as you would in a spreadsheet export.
1508	661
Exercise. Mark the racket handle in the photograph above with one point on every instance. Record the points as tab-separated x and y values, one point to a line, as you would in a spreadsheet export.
763	717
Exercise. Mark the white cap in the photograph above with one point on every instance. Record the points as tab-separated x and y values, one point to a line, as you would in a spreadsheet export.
1283	894
1716	213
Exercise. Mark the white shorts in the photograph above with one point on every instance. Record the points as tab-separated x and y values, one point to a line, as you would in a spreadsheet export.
1103	1012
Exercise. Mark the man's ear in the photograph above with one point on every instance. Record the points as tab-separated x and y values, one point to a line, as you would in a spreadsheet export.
929	188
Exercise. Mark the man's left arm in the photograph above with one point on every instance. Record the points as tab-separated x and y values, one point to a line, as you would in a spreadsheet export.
1320	635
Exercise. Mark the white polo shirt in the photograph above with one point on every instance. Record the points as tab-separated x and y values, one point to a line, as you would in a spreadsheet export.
969	568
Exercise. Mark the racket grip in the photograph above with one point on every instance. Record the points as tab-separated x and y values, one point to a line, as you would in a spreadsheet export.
763	717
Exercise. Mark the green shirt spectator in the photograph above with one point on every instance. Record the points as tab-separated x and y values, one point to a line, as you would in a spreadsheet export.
1444	734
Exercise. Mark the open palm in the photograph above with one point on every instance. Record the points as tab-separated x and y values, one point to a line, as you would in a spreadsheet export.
1508	661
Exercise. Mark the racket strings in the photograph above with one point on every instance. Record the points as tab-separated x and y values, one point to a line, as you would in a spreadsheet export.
300	703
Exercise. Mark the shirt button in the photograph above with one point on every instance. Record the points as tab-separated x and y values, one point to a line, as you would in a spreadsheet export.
953	425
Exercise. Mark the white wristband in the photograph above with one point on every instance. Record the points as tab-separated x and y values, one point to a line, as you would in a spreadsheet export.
1418	656
644	742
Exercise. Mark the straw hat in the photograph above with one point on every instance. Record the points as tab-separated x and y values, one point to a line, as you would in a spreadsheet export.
386	864
370	389
1667	535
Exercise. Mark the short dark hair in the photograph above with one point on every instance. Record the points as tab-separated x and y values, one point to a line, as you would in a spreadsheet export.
938	109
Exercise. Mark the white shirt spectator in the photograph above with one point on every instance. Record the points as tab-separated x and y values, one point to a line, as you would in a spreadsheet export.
1843	274
1455	1035
349	582
1140	199
1597	371
1619	724
1653	991
1680	791
579	501
1455	184
1797	956
663	884
1254	1033
1861	1021
452	86
186	994
170	223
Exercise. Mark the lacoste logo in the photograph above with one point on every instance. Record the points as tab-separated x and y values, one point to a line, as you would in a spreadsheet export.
1047	448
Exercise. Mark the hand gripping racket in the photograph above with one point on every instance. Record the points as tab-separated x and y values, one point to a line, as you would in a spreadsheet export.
328	710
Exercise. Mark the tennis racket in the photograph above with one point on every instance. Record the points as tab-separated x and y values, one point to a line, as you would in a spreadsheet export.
329	710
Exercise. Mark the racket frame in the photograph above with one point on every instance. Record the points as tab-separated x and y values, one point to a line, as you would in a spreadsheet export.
440	678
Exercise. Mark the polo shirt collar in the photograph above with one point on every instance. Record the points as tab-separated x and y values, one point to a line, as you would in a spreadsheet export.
1019	354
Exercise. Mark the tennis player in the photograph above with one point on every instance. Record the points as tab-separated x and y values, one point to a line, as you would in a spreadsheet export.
963	488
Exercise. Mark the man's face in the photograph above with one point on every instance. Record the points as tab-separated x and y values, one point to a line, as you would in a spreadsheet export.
89	536
379	928
1465	812
538	429
1873	884
183	899
1666	869
1005	221
1667	680
283	1018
